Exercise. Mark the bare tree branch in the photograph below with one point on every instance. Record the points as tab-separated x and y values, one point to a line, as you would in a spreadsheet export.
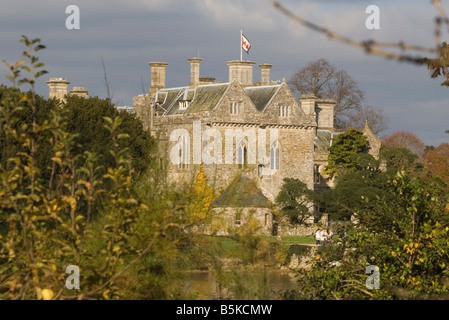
371	46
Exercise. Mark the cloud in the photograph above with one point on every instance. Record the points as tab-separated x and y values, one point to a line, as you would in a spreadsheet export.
250	14
129	35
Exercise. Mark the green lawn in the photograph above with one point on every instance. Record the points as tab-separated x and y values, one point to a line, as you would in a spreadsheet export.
231	248
288	240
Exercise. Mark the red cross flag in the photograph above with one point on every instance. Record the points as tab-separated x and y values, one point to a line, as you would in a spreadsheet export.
245	44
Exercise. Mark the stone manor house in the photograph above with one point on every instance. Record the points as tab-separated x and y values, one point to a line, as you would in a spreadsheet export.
243	114
234	122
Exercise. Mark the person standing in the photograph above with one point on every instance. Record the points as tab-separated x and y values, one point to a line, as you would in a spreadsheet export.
323	237
318	237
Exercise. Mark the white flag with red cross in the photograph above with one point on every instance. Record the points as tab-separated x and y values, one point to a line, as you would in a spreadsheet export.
245	44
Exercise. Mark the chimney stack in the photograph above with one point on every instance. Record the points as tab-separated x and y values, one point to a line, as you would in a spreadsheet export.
242	71
194	72
58	88
265	73
308	102
80	92
157	76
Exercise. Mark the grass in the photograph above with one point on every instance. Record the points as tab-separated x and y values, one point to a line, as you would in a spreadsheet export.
289	240
231	248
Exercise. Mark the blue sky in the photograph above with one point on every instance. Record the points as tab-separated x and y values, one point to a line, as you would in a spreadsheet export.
128	35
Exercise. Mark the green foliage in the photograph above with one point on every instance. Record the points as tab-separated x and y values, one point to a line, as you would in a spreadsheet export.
294	200
399	159
85	118
49	221
404	231
343	150
347	196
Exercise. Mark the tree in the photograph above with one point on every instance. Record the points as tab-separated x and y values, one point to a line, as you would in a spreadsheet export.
295	200
398	159
325	81
202	197
86	120
357	119
403	230
343	151
437	162
49	222
407	140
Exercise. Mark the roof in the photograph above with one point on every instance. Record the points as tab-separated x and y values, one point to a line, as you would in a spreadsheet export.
323	141
207	96
260	96
202	98
242	193
169	98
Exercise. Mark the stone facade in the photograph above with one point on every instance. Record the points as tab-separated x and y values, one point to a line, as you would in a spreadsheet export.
235	119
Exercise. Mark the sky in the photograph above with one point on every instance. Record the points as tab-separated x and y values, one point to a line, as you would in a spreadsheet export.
126	35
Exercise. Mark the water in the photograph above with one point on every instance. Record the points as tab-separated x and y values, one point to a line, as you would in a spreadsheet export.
203	285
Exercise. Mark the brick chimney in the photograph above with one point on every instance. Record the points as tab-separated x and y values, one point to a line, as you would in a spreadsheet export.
58	88
157	76
242	71
194	72
265	73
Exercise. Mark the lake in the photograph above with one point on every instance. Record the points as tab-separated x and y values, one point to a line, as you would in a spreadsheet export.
263	284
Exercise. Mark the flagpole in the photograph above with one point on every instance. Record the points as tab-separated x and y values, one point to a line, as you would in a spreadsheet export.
241	37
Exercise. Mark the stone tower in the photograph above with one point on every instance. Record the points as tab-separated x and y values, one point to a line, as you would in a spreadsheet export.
58	88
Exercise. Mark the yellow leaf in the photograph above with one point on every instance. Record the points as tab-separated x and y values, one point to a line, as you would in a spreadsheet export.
105	295
47	294
57	160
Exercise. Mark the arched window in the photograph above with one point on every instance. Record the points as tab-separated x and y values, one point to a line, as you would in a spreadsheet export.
183	153
242	154
274	156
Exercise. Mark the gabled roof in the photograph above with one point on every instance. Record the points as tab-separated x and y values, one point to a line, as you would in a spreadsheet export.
207	96
261	96
202	98
169	98
242	192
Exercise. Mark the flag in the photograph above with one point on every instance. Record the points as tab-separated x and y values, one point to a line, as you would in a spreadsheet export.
245	44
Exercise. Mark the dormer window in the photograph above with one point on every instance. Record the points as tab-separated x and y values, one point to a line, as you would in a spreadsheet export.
183	104
284	111
234	107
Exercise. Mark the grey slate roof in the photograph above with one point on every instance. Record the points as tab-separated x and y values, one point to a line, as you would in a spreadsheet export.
260	96
242	192
203	98
207	96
